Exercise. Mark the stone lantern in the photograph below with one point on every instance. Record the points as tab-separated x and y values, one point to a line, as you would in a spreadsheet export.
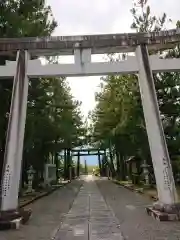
145	168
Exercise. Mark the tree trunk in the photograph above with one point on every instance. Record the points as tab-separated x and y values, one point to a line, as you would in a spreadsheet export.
100	165
68	163
57	165
118	171
65	164
122	167
112	163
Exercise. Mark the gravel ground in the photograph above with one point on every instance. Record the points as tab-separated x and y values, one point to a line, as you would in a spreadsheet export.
129	208
48	213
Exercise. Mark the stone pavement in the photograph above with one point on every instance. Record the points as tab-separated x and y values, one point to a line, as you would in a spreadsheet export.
91	215
90	218
129	208
48	213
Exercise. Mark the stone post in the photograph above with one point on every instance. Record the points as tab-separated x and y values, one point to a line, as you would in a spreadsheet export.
30	174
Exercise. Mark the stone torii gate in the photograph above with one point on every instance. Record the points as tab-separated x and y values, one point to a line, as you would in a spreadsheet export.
82	47
87	152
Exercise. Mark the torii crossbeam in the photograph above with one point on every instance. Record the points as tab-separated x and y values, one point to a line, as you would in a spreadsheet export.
99	44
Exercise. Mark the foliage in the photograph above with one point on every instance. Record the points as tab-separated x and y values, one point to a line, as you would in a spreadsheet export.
53	116
53	120
25	18
117	120
91	168
143	21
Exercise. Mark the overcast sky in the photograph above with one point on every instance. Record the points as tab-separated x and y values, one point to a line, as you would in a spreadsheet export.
99	16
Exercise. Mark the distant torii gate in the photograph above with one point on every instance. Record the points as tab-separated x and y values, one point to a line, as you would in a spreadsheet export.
82	47
87	152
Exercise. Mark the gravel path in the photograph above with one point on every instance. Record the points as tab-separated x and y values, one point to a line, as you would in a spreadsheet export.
48	213
129	208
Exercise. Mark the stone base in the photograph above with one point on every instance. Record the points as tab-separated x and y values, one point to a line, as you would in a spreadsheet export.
13	219
162	216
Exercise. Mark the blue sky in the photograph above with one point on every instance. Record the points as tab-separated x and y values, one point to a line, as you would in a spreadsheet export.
91	160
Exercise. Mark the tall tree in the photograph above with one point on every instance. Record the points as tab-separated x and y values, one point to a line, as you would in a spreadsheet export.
168	93
19	19
53	116
118	120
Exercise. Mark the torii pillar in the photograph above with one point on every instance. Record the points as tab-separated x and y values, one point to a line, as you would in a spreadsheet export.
99	162
10	214
167	204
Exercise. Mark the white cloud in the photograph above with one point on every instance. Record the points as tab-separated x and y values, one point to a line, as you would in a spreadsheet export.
99	16
83	89
84	16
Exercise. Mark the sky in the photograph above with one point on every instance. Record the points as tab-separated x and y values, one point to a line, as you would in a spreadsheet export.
80	17
76	17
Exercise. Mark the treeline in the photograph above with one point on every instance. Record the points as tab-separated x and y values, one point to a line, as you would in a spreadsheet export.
54	120
118	120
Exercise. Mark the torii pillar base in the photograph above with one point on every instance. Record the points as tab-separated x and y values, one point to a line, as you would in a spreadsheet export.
164	212
14	219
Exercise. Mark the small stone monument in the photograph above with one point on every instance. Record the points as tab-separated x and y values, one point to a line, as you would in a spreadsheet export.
30	173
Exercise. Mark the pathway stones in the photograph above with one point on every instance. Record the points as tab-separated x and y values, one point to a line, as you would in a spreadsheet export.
90	218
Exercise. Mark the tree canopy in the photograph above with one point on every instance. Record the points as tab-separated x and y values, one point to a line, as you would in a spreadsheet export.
54	121
118	121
